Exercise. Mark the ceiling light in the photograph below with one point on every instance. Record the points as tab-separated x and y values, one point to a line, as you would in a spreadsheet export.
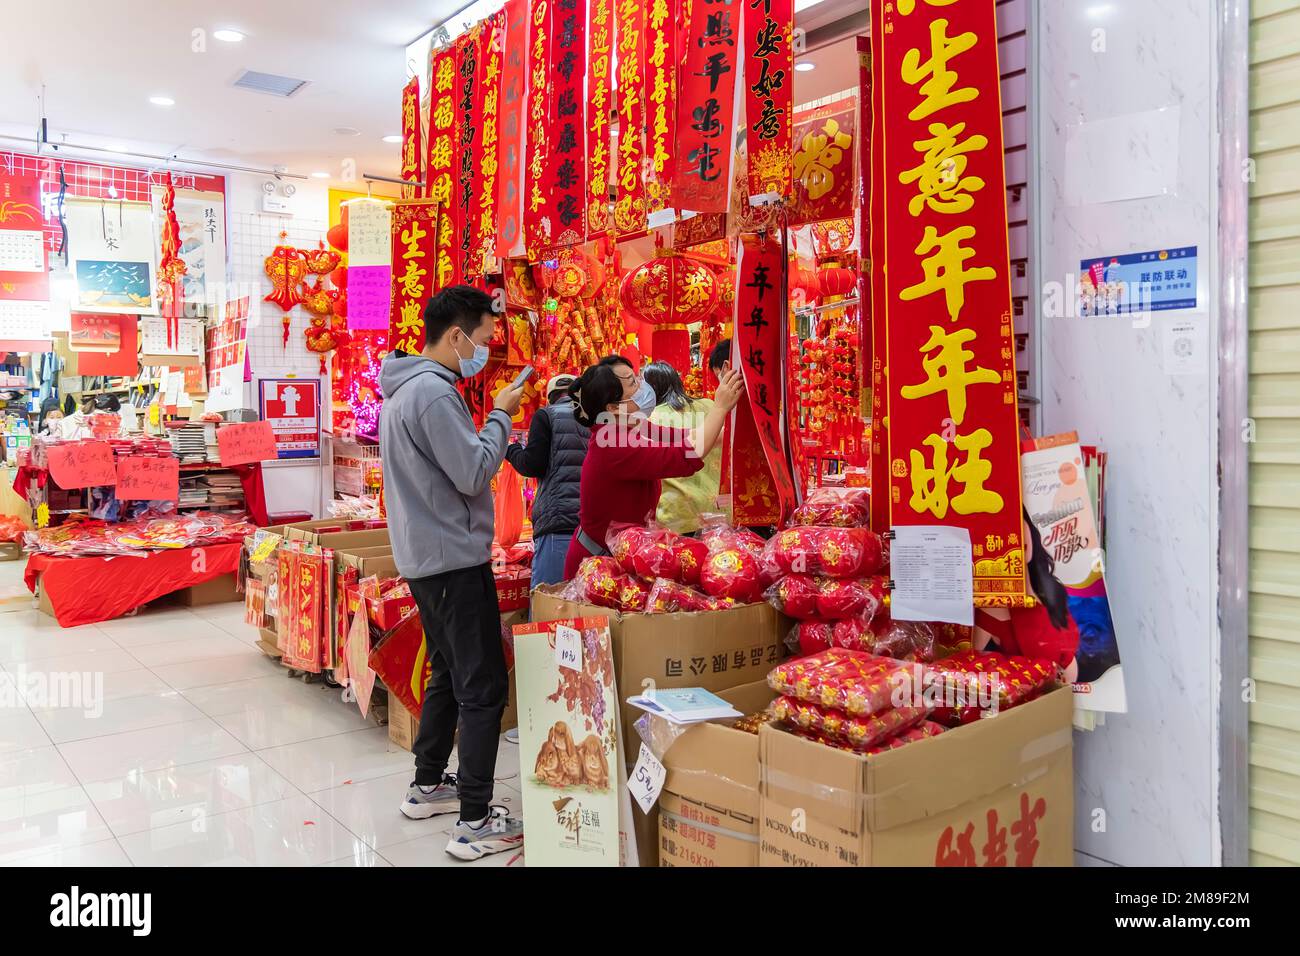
162	101
320	175
393	138
803	66
228	36
347	130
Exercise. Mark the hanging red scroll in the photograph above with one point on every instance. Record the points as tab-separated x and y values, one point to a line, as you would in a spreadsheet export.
412	154
510	142
566	162
23	269
953	426
660	72
442	159
600	94
483	244
630	205
763	490
708	89
769	96
537	220
415	251
825	148
467	195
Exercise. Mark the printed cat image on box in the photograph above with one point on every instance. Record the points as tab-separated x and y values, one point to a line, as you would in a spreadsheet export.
562	763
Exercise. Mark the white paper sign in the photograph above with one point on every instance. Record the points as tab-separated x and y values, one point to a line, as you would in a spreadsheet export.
932	574
370	226
647	779
568	647
1185	348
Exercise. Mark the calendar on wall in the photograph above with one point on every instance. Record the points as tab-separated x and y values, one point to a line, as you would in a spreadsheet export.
186	350
25	326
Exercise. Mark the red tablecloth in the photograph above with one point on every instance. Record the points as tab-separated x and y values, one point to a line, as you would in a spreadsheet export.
89	590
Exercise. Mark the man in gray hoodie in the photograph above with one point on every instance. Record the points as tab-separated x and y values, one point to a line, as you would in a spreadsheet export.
437	476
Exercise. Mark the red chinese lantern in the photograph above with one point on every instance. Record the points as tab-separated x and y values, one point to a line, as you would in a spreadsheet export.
804	287
670	291
838	281
338	236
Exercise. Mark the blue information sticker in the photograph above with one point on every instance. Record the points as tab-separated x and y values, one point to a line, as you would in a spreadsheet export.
1138	282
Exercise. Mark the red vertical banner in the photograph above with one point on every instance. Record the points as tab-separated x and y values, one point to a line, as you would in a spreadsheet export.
953	426
825	154
510	141
467	195
537	221
872	243
23	262
630	205
442	160
486	225
769	96
660	71
415	251
412	154
600	95
566	163
763	491
705	106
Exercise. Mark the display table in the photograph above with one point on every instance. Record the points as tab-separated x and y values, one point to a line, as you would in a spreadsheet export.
87	590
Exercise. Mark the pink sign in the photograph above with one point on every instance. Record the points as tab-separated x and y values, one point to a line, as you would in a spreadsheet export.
148	478
370	290
245	442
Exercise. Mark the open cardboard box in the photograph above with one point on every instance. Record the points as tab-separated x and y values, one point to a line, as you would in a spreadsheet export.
930	802
709	807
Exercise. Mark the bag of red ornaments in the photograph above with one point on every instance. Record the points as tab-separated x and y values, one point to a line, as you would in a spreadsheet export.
717	535
805	597
733	573
837	514
833	552
601	581
668	597
652	553
856	683
978	682
858	731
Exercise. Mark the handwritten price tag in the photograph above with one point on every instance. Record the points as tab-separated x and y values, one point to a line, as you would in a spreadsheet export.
647	779
568	647
242	443
144	478
83	464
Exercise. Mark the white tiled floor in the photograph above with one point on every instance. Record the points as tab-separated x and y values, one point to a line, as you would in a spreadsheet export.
199	751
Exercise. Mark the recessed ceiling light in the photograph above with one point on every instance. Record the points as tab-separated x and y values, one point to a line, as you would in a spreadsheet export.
347	131
803	66
228	36
320	175
162	101
393	138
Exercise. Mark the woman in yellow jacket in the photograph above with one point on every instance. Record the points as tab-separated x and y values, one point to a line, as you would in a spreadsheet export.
683	500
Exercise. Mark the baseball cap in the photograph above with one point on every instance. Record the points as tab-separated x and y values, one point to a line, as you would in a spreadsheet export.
559	382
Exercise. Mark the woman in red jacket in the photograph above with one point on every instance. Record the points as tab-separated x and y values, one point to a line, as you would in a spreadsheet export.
628	456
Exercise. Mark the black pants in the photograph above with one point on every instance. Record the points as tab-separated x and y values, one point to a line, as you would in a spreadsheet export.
462	640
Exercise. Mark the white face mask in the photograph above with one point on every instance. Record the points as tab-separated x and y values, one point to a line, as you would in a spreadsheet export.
469	367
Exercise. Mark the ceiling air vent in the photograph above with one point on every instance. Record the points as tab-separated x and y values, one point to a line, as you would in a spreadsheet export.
269	83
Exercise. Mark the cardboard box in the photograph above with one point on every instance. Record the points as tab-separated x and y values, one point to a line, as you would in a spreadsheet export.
709	808
216	591
928	803
10	551
402	724
716	650
339	540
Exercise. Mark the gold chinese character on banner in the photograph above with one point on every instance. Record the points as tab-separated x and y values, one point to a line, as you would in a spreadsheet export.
938	89
819	153
946	370
944	271
939	177
930	484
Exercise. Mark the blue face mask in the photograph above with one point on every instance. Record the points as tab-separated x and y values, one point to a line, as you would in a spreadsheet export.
469	367
644	399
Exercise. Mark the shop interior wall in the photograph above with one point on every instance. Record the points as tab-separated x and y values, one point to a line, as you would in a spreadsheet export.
1147	781
291	485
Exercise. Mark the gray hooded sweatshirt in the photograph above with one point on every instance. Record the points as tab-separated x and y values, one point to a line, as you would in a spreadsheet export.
437	469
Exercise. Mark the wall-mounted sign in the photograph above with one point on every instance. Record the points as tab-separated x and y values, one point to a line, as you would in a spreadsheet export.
1153	281
292	406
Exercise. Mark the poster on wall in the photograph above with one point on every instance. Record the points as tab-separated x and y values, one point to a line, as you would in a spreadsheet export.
292	406
202	220
1155	281
1065	570
227	358
112	253
568	742
22	247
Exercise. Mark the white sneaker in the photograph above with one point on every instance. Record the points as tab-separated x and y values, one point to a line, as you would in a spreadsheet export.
496	833
424	802
512	735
